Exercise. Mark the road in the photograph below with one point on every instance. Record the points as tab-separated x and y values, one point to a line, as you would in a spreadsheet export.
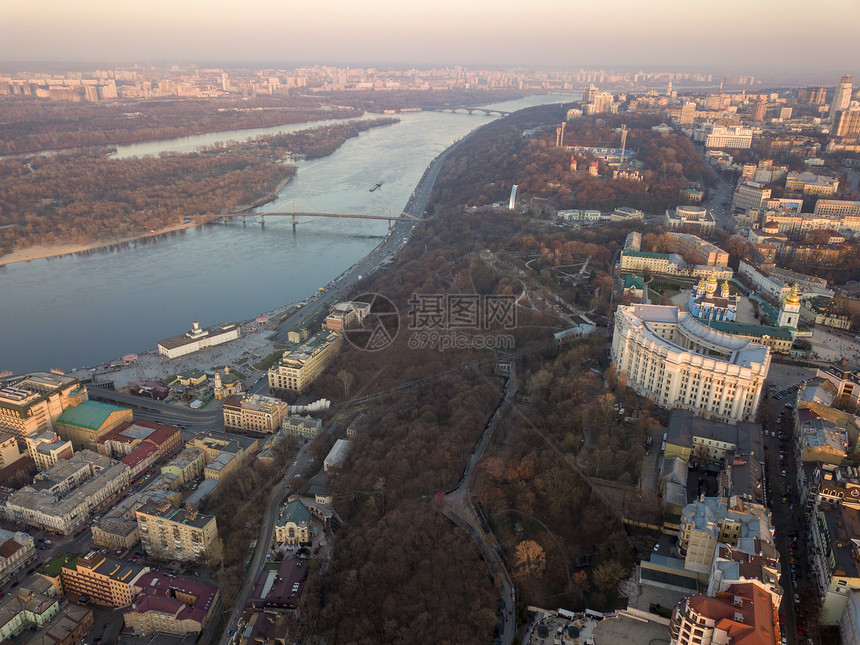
458	507
264	542
719	203
146	409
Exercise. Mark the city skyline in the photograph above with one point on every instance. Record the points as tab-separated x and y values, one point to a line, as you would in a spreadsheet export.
544	33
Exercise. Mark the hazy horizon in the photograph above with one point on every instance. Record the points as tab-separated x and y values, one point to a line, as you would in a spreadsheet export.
742	37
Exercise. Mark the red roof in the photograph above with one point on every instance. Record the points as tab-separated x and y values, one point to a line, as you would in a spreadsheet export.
158	592
137	455
161	435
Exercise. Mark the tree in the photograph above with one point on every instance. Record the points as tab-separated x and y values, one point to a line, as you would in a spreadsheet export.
530	558
607	575
346	379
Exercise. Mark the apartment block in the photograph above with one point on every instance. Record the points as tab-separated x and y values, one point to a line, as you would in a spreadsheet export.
254	412
298	368
95	578
720	520
742	614
16	548
303	427
187	466
175	533
9	452
46	449
28	606
809	183
170	605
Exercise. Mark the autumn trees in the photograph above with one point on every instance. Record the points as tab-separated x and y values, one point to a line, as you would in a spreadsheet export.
86	197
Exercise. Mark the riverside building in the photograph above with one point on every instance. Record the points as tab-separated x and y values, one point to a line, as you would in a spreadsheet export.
675	361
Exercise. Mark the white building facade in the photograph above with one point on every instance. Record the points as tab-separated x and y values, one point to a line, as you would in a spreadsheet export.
670	358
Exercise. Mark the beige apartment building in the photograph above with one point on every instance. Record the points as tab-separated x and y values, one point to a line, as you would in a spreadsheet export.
187	466
298	368
303	427
669	357
254	412
9	452
32	404
15	549
719	520
104	581
176	533
46	449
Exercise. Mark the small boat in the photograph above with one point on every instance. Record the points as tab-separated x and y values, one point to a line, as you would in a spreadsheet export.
378	184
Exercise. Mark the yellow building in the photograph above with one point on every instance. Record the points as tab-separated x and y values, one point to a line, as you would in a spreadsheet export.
31	404
712	520
192	377
104	581
254	412
187	466
9	452
46	449
84	424
175	533
170	605
298	368
293	526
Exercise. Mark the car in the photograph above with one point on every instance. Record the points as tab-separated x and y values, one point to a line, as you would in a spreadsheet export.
783	472
657	547
791	559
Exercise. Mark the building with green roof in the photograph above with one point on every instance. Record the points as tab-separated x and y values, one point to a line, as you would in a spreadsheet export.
779	339
85	423
294	524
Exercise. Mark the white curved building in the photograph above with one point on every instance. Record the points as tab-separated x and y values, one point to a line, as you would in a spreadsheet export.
672	359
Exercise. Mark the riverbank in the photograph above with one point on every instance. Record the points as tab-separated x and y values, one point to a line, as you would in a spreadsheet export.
39	252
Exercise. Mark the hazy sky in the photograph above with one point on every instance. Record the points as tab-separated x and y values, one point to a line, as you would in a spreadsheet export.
714	34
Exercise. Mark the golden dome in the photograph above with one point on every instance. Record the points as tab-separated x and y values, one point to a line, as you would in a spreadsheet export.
712	279
793	298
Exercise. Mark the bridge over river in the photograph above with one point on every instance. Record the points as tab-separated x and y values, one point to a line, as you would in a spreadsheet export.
297	209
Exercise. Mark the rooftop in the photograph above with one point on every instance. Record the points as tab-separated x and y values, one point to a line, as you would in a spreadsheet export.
89	414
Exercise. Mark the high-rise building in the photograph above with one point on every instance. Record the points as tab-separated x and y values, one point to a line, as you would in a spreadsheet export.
758	110
688	113
848	123
841	98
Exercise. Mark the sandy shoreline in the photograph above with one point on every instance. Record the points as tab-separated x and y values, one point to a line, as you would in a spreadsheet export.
39	252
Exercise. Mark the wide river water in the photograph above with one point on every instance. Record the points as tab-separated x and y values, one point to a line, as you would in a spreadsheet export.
83	310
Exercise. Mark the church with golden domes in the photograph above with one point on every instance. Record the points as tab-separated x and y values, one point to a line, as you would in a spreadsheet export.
705	304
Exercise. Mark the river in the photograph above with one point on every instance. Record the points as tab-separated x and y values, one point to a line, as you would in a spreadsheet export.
83	310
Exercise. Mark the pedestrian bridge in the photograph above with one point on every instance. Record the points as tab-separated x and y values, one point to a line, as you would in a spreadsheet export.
297	209
468	110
